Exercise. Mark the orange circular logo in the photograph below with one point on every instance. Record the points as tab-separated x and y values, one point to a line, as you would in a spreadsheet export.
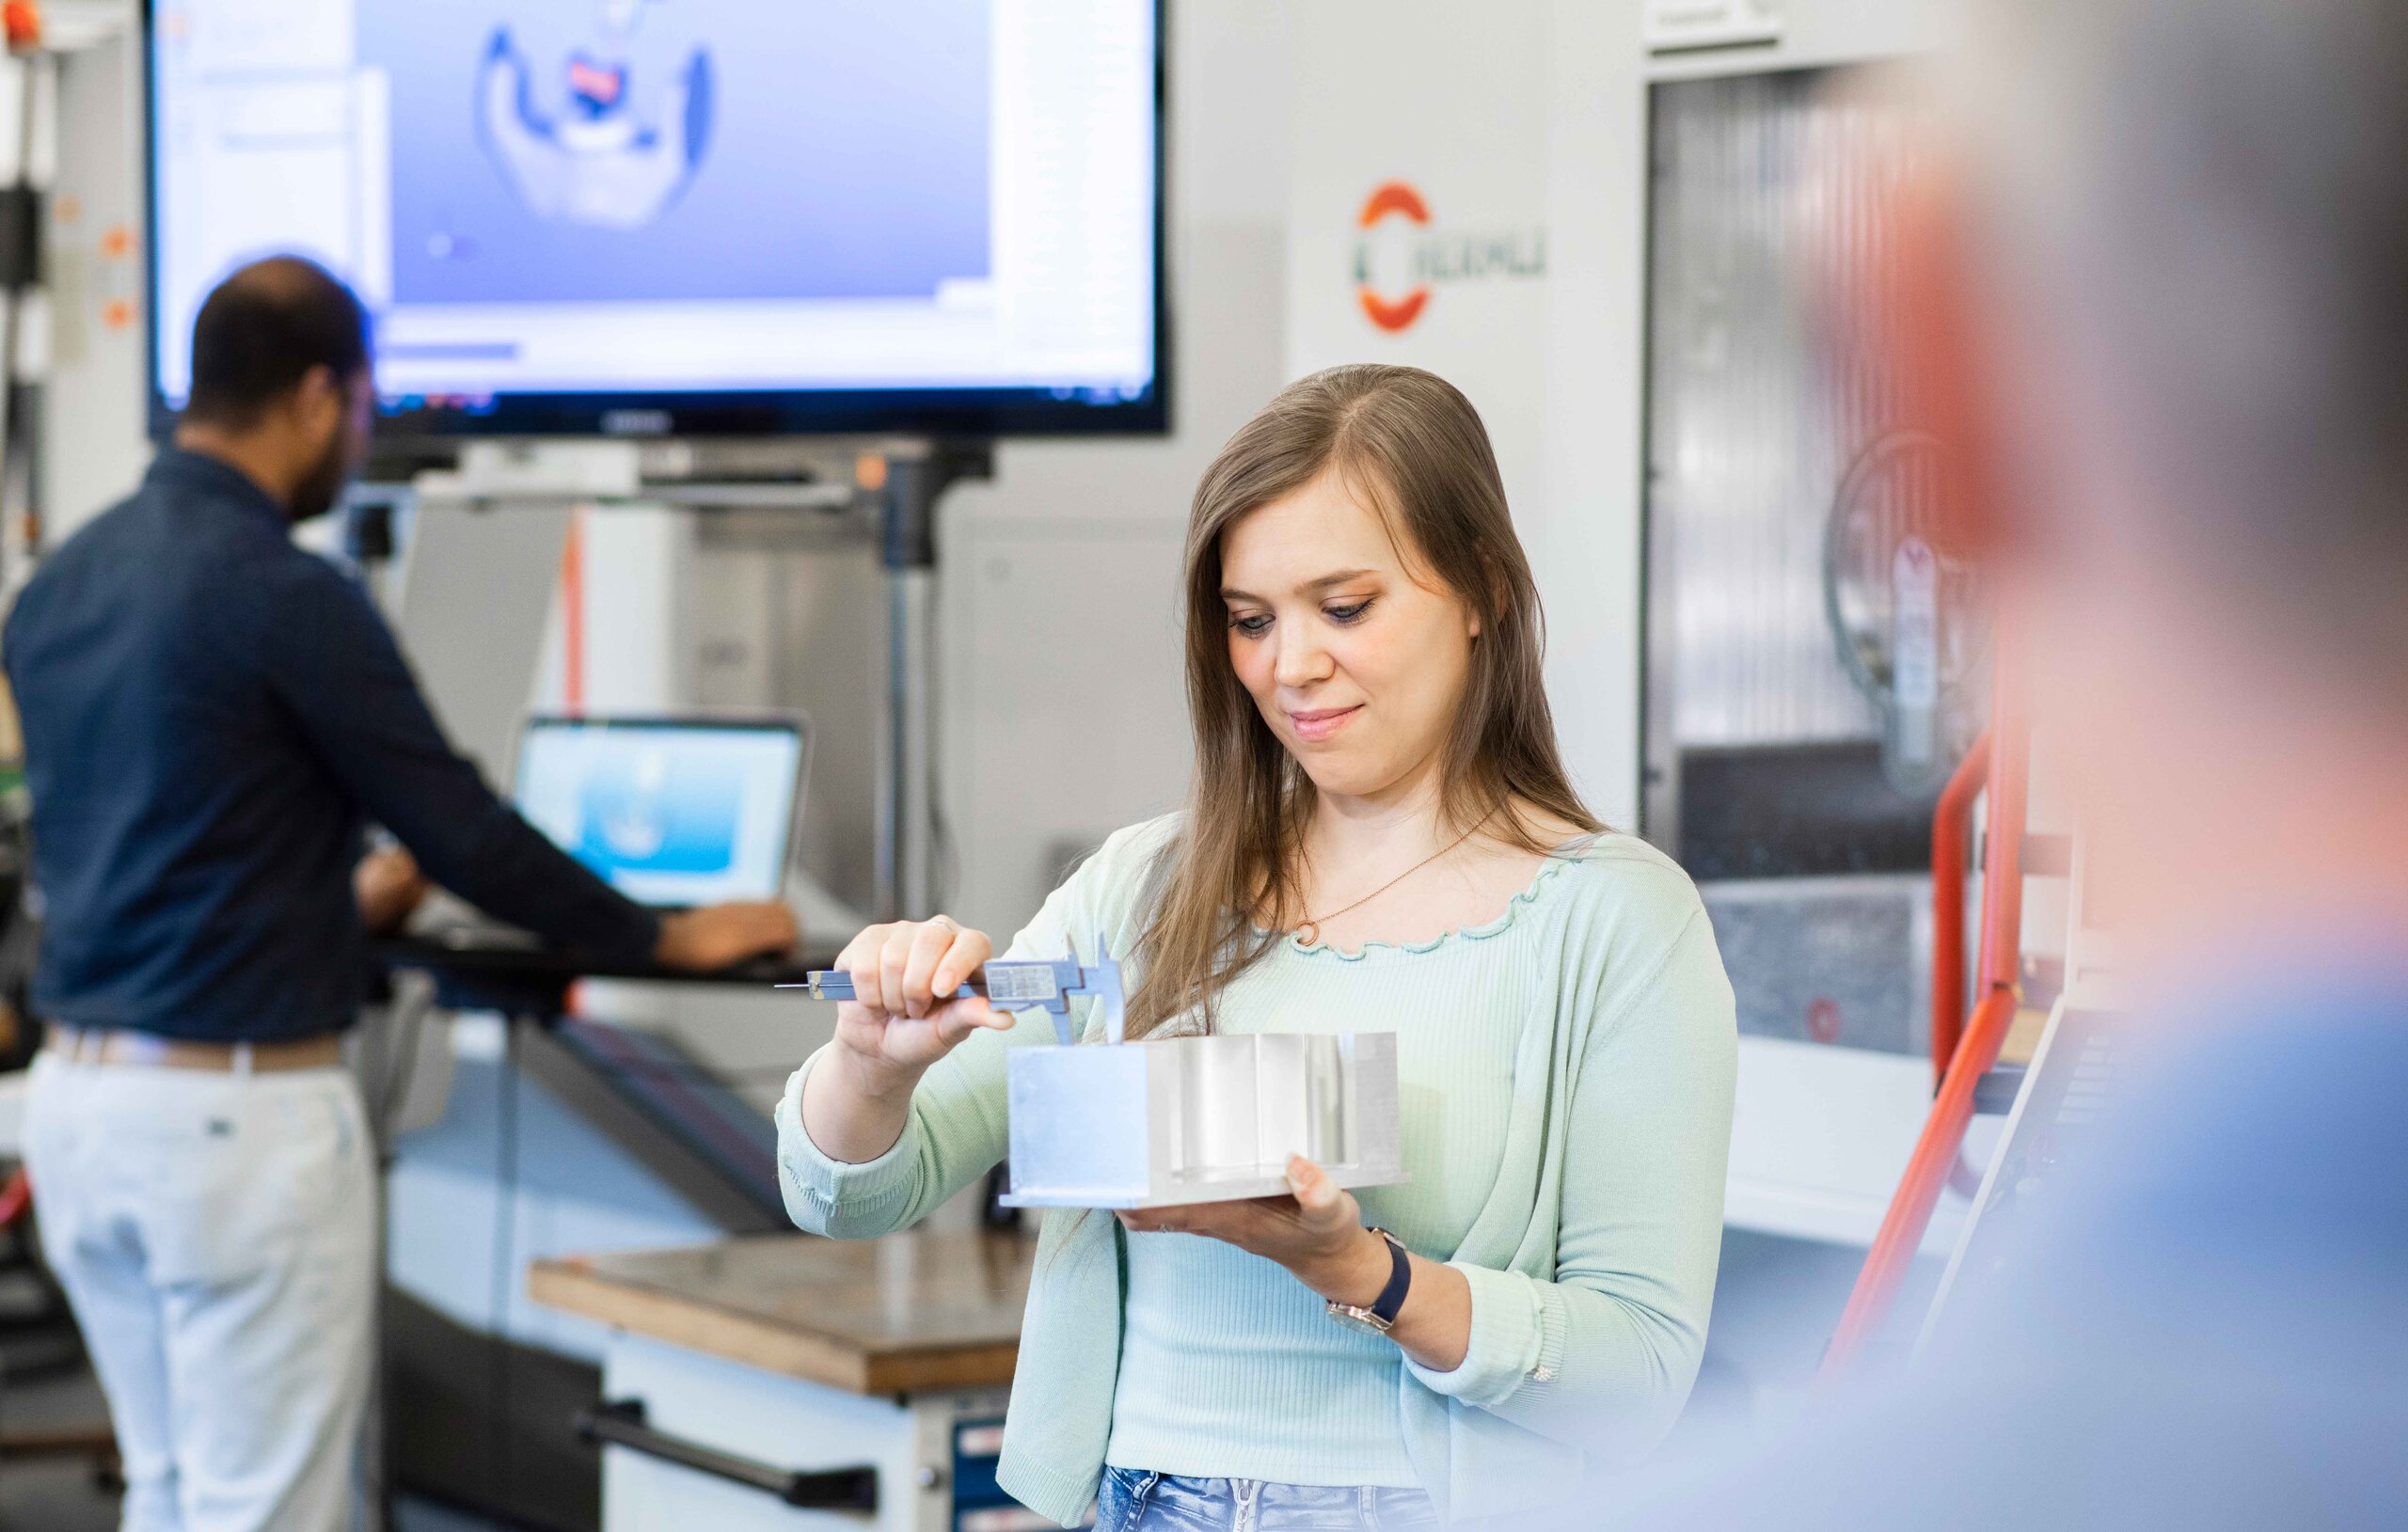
1390	312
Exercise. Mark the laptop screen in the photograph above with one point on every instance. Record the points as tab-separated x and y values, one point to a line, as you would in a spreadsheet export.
669	813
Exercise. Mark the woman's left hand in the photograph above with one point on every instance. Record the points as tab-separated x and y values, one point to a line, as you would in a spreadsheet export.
1316	1232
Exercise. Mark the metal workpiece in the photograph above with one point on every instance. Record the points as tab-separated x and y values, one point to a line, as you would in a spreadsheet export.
1200	1119
1172	1120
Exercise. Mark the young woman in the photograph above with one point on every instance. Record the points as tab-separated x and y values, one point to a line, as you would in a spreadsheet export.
1380	838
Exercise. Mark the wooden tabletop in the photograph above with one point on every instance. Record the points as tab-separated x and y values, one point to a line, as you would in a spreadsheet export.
906	1314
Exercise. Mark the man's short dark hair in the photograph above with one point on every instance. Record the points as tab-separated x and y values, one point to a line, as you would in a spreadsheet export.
263	330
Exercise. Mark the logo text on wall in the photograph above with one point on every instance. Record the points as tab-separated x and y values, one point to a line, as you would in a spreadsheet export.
1401	255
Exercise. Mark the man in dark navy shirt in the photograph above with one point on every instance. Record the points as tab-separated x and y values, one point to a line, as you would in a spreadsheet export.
210	718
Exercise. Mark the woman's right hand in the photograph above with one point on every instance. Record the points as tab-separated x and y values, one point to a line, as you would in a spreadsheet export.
897	1025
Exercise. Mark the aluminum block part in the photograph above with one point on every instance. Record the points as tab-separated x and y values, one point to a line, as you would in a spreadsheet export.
1200	1119
1083	1121
1376	1134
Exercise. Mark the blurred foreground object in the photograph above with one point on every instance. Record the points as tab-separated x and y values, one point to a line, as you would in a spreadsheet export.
2182	228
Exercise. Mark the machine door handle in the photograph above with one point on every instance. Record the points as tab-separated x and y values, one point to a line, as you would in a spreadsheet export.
621	1422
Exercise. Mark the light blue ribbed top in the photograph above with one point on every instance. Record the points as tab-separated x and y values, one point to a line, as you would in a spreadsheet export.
1565	1074
1229	1367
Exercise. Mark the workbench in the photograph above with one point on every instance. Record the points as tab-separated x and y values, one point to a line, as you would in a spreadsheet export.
784	1382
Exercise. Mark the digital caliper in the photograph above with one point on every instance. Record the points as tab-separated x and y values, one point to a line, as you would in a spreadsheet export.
1018	983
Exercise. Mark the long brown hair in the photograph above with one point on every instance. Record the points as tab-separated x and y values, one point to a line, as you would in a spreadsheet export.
1411	447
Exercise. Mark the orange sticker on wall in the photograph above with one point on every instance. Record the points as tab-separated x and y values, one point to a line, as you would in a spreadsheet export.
1401	255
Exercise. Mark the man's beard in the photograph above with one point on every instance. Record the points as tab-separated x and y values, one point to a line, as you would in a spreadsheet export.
323	486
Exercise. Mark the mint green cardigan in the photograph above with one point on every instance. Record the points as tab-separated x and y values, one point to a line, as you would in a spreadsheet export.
1592	1262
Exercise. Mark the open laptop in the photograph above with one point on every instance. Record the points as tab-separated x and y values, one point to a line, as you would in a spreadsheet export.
671	812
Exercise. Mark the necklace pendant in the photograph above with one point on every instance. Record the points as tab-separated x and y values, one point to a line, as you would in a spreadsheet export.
1308	933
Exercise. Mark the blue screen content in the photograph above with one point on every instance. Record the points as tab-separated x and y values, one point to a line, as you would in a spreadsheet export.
550	158
665	815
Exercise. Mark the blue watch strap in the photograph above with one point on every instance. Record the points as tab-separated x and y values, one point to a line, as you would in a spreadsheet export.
1391	1300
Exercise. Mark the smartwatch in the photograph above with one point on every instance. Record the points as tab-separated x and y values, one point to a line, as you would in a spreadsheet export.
1386	1307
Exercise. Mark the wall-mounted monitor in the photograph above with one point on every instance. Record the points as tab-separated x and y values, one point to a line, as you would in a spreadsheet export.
681	216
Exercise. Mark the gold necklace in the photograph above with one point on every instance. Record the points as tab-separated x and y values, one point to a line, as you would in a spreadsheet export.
1310	932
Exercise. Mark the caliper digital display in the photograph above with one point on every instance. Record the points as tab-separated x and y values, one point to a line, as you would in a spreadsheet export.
1021	983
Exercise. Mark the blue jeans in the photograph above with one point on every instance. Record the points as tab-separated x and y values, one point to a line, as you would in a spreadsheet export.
1132	1501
